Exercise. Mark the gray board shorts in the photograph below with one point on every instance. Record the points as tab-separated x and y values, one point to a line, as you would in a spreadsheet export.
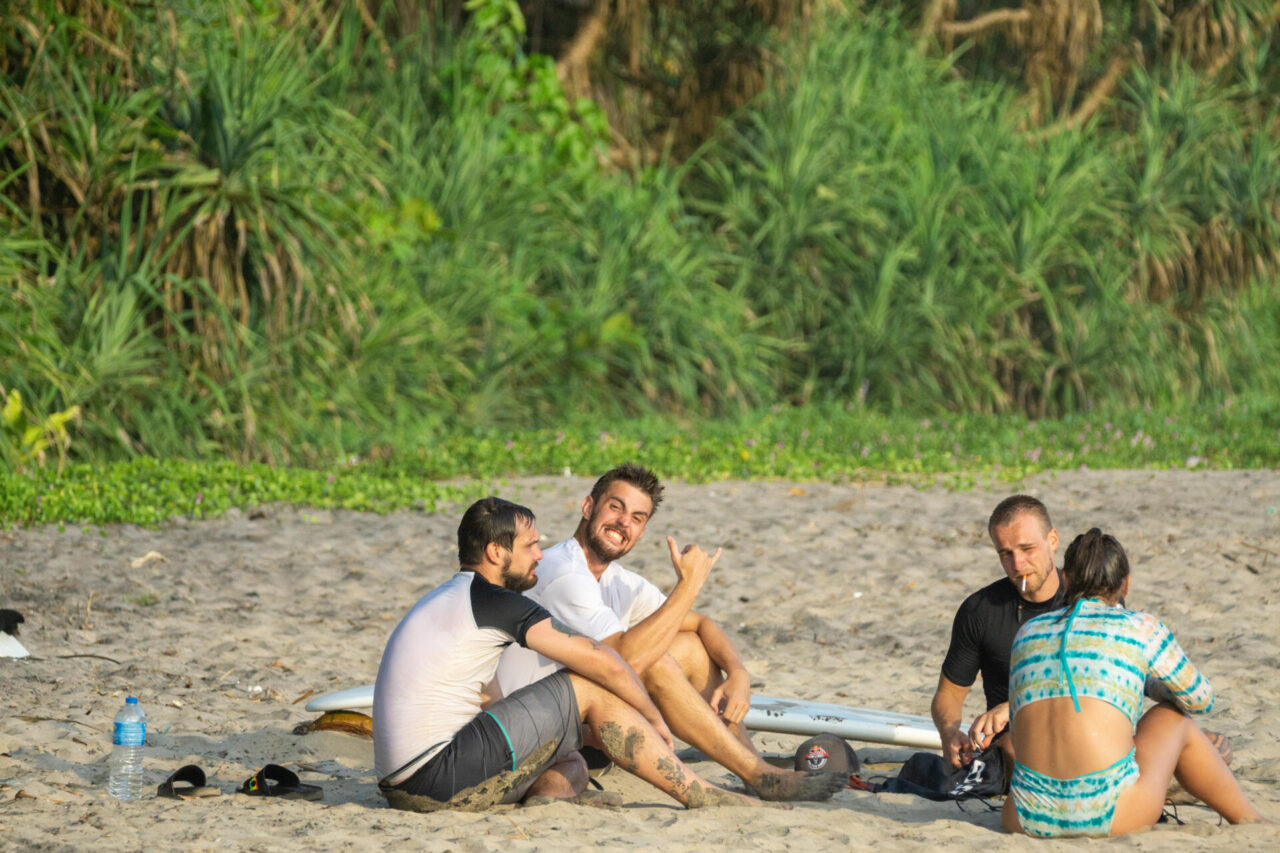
499	754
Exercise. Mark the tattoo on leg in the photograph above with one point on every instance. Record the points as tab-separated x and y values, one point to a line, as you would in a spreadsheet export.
621	748
672	772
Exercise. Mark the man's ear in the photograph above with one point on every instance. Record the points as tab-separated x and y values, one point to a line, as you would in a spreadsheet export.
1053	539
588	504
494	552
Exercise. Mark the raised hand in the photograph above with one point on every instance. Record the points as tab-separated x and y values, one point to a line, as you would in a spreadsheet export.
692	564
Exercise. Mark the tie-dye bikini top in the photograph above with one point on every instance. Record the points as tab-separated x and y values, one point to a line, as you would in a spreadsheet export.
1103	652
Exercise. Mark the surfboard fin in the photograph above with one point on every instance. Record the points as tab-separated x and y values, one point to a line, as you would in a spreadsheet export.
350	722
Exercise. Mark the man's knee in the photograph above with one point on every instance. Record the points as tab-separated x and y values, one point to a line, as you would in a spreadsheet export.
564	779
573	768
662	674
1164	716
574	764
586	692
688	650
695	662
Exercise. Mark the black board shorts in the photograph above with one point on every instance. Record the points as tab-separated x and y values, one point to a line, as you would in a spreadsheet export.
499	754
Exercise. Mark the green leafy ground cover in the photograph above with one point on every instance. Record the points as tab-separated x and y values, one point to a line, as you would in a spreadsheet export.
258	236
816	443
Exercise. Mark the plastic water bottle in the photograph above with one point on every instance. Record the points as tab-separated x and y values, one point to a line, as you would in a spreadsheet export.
126	751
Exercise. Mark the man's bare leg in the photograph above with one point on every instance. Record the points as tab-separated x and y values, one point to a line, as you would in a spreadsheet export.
692	719
563	781
705	676
632	744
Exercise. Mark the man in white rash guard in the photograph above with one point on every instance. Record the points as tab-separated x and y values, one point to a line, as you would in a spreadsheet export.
440	741
687	662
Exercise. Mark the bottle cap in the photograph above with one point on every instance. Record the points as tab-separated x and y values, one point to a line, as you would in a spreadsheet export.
132	700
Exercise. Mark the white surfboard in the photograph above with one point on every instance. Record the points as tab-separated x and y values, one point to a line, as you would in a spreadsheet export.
355	699
767	714
10	647
801	717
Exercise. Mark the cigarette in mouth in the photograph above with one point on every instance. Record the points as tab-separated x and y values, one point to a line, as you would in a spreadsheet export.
1024	583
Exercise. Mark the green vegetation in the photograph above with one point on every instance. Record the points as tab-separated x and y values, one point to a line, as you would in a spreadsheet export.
927	254
821	442
290	234
148	491
25	440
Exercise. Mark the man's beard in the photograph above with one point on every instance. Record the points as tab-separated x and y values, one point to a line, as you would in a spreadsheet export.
517	584
606	551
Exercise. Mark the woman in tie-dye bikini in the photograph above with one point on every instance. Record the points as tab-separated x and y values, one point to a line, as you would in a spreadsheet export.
1089	761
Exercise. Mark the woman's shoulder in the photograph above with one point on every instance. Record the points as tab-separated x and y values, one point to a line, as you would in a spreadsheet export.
1043	623
1144	624
1140	617
1048	616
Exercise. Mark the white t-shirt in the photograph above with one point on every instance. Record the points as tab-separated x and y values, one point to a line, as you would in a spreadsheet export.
566	588
437	661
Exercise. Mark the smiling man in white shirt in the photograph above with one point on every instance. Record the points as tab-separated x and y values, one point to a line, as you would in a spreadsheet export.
441	741
685	660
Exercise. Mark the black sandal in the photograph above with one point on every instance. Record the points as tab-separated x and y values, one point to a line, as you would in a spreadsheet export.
276	781
187	783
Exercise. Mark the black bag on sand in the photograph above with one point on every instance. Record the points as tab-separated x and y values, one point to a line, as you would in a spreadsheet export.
928	775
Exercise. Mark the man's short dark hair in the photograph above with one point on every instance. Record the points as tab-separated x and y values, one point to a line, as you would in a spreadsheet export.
1011	507
489	520
635	475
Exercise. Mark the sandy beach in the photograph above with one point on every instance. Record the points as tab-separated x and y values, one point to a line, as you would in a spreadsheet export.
838	593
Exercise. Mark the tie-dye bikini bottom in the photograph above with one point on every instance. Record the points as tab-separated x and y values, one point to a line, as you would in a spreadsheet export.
1049	807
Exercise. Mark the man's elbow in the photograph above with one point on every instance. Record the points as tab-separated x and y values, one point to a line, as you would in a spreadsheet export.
945	709
937	711
636	658
613	667
603	662
640	664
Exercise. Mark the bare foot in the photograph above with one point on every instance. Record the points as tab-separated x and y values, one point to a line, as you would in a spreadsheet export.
790	786
1253	818
703	795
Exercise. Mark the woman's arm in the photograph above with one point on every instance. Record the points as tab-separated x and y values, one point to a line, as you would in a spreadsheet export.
1168	665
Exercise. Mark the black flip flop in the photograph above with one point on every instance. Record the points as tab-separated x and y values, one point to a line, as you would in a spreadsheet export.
187	783
276	781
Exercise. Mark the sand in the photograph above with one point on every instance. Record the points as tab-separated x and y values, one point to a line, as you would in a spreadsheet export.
839	593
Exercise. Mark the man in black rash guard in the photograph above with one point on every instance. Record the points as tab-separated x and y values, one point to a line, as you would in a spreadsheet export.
984	627
986	623
440	741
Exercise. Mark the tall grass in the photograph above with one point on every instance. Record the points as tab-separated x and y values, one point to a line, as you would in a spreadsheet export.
270	237
928	252
191	221
538	287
